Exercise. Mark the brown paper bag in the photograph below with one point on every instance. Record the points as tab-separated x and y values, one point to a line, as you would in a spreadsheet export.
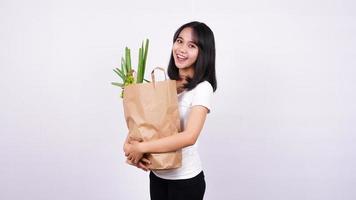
151	112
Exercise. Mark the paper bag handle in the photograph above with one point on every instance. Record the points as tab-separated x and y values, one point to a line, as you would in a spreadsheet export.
153	75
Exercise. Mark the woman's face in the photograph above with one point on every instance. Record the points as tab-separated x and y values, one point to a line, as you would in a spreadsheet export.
185	51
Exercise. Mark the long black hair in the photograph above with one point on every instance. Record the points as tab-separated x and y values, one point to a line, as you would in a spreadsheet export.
204	67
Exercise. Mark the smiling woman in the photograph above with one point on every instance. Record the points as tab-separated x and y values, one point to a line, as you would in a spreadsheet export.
185	50
192	65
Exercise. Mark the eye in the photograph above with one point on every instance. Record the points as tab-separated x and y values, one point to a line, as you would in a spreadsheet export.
179	41
192	46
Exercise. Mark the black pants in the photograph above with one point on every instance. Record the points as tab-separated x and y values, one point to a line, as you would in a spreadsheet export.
184	189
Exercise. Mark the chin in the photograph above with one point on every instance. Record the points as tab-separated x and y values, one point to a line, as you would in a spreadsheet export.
181	67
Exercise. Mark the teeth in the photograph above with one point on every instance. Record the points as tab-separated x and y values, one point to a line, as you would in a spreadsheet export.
180	56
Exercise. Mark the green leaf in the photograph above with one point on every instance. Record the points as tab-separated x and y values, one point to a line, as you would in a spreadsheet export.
118	72
118	84
145	52
123	65
122	73
139	66
128	60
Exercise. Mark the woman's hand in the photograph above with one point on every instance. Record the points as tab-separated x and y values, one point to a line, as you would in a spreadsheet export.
142	164
133	151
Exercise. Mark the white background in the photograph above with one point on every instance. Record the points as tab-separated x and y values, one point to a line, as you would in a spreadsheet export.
283	118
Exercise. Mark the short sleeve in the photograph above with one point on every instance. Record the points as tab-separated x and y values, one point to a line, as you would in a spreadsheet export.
203	94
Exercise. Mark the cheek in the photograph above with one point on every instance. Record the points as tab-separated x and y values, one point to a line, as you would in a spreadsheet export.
173	52
195	54
174	47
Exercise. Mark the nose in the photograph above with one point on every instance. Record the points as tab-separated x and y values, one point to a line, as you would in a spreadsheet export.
181	49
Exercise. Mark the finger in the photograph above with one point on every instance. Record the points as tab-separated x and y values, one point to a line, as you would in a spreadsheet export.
136	159
145	160
126	144
129	162
130	140
130	157
134	142
142	166
138	165
125	149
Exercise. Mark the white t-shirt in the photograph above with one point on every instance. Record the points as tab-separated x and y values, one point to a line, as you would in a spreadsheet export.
191	165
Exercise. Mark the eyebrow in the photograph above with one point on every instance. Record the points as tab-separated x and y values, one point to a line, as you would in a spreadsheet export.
179	37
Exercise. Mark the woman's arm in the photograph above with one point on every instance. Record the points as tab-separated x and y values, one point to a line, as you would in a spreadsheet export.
185	138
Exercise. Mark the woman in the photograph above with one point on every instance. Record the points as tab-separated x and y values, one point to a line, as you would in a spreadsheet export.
192	65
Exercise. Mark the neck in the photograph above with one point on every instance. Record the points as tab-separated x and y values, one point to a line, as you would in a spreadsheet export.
186	72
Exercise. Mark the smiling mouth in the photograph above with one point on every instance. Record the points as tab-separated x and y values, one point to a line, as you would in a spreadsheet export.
181	57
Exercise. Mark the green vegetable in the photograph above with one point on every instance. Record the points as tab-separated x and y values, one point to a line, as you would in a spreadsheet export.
142	57
126	73
128	59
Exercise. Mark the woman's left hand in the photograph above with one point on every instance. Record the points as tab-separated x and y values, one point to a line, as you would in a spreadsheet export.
133	151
